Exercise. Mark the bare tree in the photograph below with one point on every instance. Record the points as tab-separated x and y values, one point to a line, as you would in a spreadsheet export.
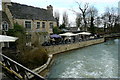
65	19
92	14
104	21
78	19
84	13
57	17
98	21
110	18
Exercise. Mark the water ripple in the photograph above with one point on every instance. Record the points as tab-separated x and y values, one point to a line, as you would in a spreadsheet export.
97	61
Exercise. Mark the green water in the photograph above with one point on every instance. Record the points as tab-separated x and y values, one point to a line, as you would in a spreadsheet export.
96	61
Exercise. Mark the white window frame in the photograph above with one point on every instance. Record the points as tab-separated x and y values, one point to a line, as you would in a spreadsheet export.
51	25
37	25
25	24
6	26
44	24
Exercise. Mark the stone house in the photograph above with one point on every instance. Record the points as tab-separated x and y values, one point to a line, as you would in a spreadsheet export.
38	22
5	23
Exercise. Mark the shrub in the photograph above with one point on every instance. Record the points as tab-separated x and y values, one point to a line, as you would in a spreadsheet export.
35	58
56	30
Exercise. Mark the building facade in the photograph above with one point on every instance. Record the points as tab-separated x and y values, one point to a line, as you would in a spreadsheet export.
38	22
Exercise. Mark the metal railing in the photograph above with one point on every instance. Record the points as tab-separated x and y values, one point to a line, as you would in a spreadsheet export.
18	71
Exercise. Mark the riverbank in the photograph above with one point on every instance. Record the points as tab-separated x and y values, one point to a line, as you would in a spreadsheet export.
56	49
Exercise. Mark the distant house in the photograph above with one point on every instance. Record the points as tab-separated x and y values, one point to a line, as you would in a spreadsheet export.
35	20
74	29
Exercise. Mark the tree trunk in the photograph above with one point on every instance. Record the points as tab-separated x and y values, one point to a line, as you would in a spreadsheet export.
85	23
92	29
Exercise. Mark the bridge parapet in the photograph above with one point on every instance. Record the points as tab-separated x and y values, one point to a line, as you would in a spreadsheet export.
18	71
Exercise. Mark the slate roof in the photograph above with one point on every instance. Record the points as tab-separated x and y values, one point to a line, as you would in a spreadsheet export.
20	11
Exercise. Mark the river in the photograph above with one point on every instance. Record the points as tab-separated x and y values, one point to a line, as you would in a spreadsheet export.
96	61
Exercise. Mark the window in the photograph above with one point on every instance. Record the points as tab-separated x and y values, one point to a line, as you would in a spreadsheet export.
28	24
5	26
43	24
38	25
51	25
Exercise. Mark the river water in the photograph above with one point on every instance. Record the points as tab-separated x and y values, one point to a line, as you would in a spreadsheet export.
96	61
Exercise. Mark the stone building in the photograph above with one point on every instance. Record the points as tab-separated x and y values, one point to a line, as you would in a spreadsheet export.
5	23
38	22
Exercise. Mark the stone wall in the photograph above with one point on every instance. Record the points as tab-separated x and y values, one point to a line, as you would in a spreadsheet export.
34	37
66	47
34	25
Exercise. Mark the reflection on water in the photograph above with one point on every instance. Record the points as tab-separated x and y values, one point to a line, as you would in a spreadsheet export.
97	61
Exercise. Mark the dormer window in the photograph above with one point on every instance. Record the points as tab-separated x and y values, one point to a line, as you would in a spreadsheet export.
28	24
5	26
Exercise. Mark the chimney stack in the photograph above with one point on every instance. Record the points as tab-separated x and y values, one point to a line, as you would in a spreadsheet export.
50	8
5	3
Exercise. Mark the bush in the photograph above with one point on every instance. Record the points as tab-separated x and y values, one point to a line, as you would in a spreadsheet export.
56	30
35	58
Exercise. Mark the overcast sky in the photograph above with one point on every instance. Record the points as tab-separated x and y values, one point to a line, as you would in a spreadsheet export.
66	5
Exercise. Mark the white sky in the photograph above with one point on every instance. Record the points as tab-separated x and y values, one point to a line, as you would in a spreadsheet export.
66	5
